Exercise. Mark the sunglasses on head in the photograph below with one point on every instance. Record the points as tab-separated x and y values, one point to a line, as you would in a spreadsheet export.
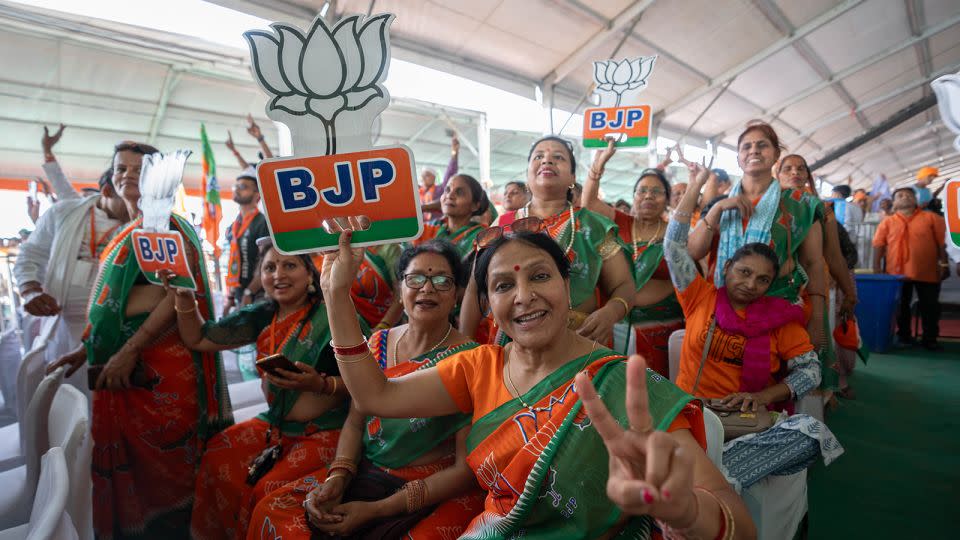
440	282
488	236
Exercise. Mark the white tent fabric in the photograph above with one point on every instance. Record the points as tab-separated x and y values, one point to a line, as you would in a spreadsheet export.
822	72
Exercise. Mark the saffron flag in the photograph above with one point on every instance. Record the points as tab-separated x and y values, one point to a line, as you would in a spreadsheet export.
211	194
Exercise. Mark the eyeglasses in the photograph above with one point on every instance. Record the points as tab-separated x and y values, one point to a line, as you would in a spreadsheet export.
488	236
656	192
418	281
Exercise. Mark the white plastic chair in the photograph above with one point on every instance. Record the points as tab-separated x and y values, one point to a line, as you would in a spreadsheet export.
714	428
48	519
777	505
31	372
246	413
246	393
70	429
19	484
674	344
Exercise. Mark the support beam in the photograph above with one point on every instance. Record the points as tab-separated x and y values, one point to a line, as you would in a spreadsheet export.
483	147
900	117
779	45
170	82
843	74
583	52
423	129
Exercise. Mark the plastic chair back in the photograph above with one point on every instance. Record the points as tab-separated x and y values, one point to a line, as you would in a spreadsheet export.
674	344
70	429
714	428
51	499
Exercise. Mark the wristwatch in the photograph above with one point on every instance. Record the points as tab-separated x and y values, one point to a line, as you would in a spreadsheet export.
247	292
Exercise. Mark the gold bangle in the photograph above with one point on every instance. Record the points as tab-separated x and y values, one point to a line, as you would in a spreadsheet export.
196	304
361	358
729	525
343	463
332	476
416	495
334	391
626	306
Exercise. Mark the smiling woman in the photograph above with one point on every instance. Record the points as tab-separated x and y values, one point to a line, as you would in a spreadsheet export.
529	432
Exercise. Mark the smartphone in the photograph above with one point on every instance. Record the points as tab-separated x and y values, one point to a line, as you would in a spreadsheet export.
271	363
138	379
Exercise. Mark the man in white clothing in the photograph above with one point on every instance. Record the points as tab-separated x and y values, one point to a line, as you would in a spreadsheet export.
58	264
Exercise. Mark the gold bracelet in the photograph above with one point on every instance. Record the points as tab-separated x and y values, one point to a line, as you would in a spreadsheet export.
416	495
196	305
729	525
344	463
334	391
626	306
332	476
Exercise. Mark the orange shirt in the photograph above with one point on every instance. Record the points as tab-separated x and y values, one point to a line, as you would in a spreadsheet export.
474	379
913	244
721	373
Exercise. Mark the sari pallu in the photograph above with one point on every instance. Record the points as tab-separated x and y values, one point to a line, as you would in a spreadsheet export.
653	324
546	472
148	443
389	445
224	500
372	291
462	238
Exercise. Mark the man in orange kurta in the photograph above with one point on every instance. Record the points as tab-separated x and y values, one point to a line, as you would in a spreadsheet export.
911	243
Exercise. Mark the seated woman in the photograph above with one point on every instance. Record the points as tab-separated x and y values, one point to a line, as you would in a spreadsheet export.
656	313
752	351
531	446
462	199
376	456
306	409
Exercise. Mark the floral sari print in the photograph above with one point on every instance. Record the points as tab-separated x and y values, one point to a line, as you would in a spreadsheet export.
148	443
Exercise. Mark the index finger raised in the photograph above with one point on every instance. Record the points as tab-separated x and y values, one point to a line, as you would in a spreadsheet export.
607	426
638	408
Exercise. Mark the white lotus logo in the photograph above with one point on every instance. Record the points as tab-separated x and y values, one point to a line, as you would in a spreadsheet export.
622	77
327	77
947	89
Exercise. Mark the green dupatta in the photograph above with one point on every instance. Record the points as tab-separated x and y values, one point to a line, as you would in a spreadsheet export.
796	214
391	443
593	230
109	327
564	496
462	238
644	265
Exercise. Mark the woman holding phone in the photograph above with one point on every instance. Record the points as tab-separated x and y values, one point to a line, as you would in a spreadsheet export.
298	433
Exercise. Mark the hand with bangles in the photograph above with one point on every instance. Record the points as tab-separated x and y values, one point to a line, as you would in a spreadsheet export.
748	401
308	380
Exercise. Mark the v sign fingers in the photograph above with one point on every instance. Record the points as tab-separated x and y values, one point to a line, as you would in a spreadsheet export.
638	404
607	426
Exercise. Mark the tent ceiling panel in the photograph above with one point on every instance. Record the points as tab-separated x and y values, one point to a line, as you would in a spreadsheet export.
214	95
945	50
810	110
730	30
861	32
938	10
882	77
478	10
800	13
85	68
488	44
540	23
789	71
886	110
607	8
837	133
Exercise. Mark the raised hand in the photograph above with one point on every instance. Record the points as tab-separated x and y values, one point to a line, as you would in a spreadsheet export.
48	141
229	142
454	145
602	157
340	267
253	129
650	473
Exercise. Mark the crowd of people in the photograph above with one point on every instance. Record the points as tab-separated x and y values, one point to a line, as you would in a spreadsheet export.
469	383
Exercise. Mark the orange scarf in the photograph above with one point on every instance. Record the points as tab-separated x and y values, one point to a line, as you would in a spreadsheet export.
233	267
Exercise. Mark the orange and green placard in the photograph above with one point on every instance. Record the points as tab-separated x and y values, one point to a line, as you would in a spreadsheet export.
952	190
300	193
630	125
157	251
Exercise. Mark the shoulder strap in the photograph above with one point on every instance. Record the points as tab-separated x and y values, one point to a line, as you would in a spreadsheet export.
706	351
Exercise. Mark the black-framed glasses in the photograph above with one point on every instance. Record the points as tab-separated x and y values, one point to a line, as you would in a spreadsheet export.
440	282
488	236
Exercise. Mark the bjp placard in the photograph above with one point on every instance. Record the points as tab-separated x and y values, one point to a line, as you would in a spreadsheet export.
300	194
163	251
630	126
952	193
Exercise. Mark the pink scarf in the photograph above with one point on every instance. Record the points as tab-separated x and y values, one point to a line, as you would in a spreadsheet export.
763	316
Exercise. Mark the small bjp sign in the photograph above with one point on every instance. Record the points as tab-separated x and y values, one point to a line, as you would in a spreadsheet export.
163	251
619	116
325	84
952	194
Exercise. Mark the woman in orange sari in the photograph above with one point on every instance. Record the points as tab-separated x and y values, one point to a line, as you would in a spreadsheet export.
156	403
531	446
298	432
377	455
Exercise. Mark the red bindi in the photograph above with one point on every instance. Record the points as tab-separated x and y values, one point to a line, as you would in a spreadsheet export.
516	268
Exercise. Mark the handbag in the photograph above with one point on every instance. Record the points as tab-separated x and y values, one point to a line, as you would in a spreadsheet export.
262	464
736	423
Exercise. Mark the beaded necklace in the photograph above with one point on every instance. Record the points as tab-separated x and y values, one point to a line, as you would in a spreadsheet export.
571	223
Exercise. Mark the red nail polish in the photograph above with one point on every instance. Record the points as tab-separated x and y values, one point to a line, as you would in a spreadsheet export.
666	494
647	497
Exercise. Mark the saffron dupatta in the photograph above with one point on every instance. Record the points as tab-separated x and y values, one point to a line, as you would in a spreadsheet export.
546	471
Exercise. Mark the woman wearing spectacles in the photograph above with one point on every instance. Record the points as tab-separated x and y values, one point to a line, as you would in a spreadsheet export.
547	472
394	477
589	241
656	313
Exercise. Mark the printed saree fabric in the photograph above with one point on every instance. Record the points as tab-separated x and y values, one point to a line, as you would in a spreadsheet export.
545	470
653	324
148	443
372	291
389	444
462	238
224	500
